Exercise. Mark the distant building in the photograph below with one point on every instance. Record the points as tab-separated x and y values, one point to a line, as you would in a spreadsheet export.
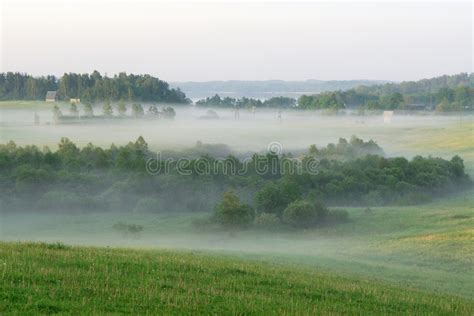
75	100
51	96
387	116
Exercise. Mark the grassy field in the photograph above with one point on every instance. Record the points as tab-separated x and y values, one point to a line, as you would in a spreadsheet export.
53	278
427	247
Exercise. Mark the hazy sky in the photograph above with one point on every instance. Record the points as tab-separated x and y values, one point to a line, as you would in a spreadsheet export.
254	40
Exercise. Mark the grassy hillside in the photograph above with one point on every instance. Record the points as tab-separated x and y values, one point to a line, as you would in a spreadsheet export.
48	278
428	247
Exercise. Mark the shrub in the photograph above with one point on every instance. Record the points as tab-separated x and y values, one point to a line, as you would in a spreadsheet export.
231	213
147	205
266	221
304	214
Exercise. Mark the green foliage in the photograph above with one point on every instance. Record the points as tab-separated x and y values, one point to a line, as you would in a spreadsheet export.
304	214
28	179
344	150
279	102
107	109
90	87
458	90
231	213
267	221
116	178
19	86
216	101
324	100
274	197
121	108
137	111
446	106
228	102
449	93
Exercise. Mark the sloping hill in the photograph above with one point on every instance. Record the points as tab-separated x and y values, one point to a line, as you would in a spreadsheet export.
53	278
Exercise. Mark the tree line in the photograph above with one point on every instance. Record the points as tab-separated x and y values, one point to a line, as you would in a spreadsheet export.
89	87
228	102
117	179
111	112
445	93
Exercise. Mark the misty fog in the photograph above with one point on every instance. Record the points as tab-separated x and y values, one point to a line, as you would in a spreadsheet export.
330	247
295	130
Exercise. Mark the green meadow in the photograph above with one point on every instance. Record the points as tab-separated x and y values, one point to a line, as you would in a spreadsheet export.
53	278
427	248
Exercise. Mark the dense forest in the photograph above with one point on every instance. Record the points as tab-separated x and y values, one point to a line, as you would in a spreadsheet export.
422	86
446	93
89	87
92	178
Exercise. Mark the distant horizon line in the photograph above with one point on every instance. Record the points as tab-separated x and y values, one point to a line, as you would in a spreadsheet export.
107	74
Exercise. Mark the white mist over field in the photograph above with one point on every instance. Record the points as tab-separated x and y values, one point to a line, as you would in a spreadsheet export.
296	130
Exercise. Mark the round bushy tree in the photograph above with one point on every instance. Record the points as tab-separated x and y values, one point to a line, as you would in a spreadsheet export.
231	213
274	197
303	214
